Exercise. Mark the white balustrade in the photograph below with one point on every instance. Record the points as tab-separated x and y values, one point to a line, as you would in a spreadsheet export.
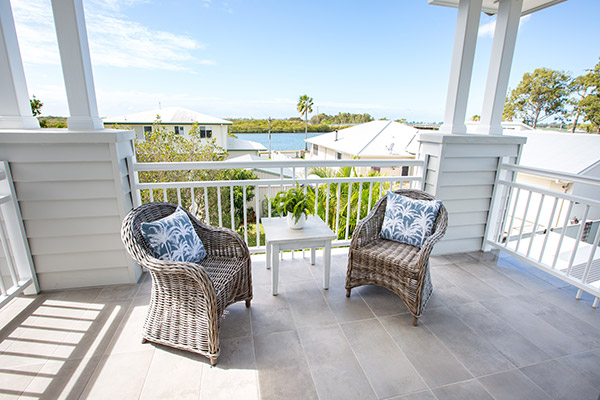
555	231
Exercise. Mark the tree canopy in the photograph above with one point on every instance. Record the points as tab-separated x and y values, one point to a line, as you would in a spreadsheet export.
540	95
589	102
36	106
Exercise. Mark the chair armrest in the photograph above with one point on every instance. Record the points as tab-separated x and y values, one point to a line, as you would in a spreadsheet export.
441	225
222	242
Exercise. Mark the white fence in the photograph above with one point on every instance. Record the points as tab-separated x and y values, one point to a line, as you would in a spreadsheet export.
16	265
554	231
220	202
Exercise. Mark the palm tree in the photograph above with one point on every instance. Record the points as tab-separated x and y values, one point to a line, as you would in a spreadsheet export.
304	107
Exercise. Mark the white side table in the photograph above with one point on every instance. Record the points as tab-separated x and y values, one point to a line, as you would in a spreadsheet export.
279	237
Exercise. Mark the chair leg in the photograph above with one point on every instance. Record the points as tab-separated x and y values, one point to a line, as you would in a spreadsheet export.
144	340
248	303
348	292
213	361
415	320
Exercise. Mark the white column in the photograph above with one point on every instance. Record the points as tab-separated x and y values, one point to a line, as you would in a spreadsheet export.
74	51
467	27
15	110
503	48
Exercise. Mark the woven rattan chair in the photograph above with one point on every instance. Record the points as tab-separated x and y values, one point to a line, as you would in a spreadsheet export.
401	268
188	301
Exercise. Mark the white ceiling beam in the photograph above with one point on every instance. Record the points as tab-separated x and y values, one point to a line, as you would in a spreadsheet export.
15	109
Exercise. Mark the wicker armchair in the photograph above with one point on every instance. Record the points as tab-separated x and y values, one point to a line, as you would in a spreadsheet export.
401	268
187	302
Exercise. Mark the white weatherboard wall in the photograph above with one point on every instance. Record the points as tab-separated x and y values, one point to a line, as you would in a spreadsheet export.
461	172
73	192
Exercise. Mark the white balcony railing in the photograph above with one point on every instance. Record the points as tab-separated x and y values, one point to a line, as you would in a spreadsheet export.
220	202
557	232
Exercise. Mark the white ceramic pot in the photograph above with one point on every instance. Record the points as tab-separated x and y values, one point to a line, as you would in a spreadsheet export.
296	225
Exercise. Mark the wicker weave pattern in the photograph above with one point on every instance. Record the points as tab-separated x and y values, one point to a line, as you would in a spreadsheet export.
401	268
187	302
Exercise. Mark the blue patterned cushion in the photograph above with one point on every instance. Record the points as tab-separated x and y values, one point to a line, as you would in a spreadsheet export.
407	220
173	238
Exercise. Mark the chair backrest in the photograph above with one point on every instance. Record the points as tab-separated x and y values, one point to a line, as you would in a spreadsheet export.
441	221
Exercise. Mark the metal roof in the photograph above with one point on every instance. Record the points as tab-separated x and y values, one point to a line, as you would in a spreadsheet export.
491	6
168	115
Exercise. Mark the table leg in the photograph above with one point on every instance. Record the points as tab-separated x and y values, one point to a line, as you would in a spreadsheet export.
275	268
268	246
326	263
313	250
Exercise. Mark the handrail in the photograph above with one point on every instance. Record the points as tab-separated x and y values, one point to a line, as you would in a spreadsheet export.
547	173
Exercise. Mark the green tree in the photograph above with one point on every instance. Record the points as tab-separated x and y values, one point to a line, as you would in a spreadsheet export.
579	89
304	107
540	95
36	106
589	97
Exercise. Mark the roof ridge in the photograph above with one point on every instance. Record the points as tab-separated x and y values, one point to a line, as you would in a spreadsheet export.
373	138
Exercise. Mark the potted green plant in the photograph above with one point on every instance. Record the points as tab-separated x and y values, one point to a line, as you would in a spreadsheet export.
295	204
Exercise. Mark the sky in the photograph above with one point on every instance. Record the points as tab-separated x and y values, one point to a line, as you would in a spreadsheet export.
255	58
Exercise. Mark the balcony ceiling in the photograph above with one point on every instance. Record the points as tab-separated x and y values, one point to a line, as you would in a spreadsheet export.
491	6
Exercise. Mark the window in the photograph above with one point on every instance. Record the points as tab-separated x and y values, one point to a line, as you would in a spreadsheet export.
205	131
147	131
315	149
376	169
179	130
338	156
405	171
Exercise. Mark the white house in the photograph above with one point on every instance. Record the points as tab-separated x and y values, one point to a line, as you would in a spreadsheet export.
375	139
181	121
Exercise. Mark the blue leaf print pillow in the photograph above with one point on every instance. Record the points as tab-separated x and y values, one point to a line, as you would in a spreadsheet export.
408	220
173	238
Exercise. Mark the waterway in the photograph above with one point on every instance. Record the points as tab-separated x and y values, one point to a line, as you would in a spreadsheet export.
279	141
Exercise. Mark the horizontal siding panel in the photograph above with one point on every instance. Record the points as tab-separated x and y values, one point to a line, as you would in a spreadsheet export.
470	164
77	261
83	278
468	178
61	171
468	218
72	226
68	208
465	192
466	205
480	150
445	246
75	244
464	232
65	190
55	152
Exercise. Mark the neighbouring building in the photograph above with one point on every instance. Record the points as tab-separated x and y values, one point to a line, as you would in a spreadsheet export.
181	121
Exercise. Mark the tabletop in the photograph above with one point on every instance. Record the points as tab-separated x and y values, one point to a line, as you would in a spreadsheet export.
277	230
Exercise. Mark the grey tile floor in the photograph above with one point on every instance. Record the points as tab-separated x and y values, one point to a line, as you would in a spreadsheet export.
494	329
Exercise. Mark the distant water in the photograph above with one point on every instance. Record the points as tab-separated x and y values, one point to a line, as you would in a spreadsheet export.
279	141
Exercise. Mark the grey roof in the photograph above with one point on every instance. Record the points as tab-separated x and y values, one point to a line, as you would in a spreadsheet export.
236	144
168	115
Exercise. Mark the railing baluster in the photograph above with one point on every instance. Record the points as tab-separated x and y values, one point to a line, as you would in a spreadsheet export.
165	195
316	199
8	258
327	206
245	214
512	218
562	234
269	199
577	240
179	196
349	210
206	205
548	229
193	200
588	265
231	208
370	196
337	209
151	195
535	224
257	214
219	208
359	203
523	221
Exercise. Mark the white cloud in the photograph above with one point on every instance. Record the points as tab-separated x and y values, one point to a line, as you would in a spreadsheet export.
114	39
487	29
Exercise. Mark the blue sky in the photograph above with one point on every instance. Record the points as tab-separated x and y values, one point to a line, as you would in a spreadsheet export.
254	58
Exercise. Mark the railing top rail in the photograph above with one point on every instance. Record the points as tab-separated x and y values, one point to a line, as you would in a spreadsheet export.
202	165
552	174
560	195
